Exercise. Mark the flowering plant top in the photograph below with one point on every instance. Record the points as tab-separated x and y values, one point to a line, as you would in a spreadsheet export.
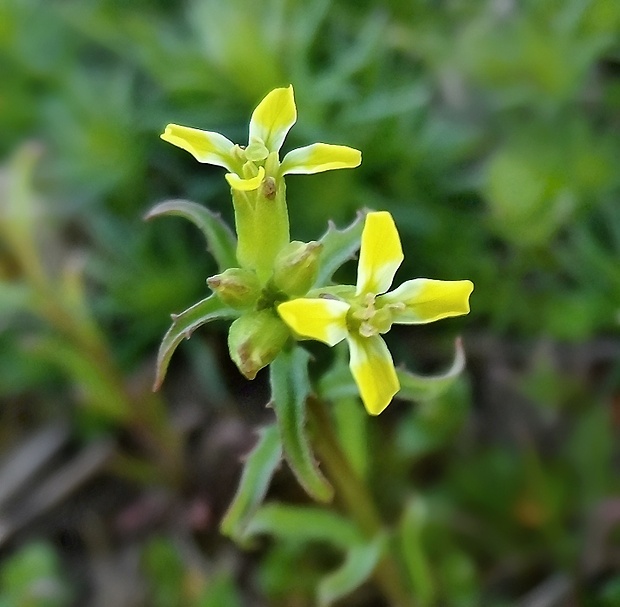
272	290
276	292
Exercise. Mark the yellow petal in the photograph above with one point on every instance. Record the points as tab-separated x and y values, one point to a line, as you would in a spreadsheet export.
380	254
205	146
320	319
427	300
373	370
320	157
273	118
245	185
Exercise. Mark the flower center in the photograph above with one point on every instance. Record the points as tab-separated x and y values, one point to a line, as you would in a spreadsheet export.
366	319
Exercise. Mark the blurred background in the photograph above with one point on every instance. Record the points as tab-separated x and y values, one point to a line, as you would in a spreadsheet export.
489	128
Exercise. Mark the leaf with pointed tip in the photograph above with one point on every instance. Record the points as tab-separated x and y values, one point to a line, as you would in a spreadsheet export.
221	241
420	388
359	563
304	524
338	247
290	387
259	467
183	325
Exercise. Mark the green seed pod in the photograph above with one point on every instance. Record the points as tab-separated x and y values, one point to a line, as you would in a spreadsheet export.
255	339
296	267
236	287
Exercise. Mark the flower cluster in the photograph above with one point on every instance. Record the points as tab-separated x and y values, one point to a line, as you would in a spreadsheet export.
273	292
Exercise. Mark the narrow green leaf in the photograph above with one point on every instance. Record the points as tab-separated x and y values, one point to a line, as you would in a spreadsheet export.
338	247
304	524
257	472
420	388
183	325
359	564
290	387
415	554
221	241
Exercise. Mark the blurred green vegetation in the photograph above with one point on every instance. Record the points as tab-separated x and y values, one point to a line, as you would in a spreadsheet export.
488	128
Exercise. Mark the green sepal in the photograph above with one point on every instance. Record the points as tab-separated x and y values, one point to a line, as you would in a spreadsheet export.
300	524
290	387
359	564
420	388
339	246
259	468
183	325
221	241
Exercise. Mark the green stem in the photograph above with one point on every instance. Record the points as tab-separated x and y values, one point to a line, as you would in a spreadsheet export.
356	500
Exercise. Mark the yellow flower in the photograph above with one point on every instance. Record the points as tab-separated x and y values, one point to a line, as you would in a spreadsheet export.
249	166
361	314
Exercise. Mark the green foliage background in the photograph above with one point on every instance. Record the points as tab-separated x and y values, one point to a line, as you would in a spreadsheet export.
488	128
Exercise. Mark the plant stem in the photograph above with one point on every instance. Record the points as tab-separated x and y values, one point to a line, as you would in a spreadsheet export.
356	500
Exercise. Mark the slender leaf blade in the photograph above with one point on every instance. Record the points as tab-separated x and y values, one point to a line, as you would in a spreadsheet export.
304	524
183	325
221	241
290	387
257	473
359	563
420	388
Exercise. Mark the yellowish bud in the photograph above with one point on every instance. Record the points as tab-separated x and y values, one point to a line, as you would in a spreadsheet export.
255	339
236	287
296	267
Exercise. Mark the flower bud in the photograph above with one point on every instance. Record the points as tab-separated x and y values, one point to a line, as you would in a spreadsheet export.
236	287
296	267
255	339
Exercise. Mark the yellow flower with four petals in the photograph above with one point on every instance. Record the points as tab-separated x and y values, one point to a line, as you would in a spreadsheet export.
249	166
362	313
